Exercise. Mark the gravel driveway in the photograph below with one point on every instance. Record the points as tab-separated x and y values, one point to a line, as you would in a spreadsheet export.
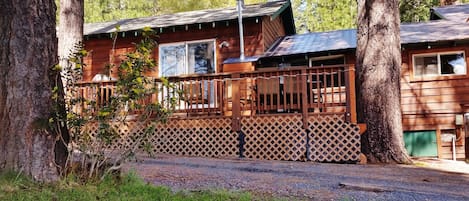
308	180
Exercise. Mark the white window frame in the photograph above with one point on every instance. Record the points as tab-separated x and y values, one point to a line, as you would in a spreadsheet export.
438	54
186	44
321	58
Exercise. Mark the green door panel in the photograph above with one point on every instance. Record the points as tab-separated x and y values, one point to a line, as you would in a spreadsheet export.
421	143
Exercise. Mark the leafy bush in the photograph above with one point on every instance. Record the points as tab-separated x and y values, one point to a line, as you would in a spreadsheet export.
98	153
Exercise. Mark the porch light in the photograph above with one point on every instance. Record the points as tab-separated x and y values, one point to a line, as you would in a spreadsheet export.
224	44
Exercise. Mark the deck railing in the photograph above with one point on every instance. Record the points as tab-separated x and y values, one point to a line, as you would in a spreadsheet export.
317	90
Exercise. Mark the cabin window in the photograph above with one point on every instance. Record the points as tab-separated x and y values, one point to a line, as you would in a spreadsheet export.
193	57
327	60
334	78
439	64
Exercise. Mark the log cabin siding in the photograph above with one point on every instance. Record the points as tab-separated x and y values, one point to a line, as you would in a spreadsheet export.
433	103
272	30
100	52
100	48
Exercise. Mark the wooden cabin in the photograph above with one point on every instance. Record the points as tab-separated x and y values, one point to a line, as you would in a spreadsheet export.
184	36
434	85
232	107
293	97
434	80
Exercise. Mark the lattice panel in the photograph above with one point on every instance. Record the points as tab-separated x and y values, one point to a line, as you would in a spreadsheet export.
274	137
126	131
196	137
280	137
190	137
333	140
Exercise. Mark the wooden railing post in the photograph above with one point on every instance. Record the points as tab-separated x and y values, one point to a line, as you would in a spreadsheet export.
351	115
304	97
236	111
304	107
235	101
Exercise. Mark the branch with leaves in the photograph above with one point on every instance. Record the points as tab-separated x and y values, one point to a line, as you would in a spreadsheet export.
96	153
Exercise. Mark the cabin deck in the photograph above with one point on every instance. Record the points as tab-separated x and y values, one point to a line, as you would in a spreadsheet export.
296	113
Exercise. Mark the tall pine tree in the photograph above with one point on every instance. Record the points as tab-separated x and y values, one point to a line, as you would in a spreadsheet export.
324	15
378	75
28	51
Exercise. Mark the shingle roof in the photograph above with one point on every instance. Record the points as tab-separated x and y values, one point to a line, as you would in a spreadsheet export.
187	18
432	31
458	13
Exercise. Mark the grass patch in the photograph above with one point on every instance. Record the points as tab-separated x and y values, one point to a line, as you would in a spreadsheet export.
129	187
421	164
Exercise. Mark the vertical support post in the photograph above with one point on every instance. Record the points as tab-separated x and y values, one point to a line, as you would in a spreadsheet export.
304	107
236	106
221	95
351	111
241	143
439	143
304	98
236	111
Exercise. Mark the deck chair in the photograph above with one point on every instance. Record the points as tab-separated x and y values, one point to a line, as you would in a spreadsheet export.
267	90
194	93
292	92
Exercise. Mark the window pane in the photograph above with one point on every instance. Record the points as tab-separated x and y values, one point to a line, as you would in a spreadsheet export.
426	65
201	61
201	57
173	60
453	64
325	62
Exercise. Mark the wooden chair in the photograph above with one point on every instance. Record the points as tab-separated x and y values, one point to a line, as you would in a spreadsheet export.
267	90
193	93
292	91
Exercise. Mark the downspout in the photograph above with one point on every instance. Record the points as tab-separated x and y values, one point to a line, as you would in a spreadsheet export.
241	31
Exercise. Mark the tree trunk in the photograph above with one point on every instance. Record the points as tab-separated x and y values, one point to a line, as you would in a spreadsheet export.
378	72
28	50
70	36
70	31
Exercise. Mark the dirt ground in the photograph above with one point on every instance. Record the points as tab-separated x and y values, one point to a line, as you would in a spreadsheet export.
427	179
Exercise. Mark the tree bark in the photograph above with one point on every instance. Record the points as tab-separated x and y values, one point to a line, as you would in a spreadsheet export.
70	31
70	36
28	50
378	72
